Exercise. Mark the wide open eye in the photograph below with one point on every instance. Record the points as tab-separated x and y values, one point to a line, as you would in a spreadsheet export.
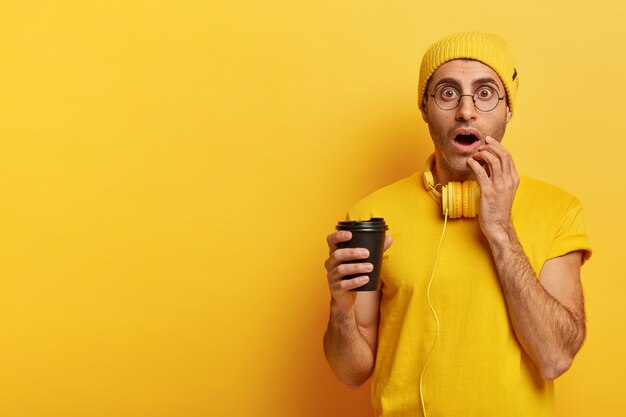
485	94
448	93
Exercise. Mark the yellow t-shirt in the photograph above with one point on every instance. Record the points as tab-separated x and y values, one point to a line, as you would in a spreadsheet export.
478	367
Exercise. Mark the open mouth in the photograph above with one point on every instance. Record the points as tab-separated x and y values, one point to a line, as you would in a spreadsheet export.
465	139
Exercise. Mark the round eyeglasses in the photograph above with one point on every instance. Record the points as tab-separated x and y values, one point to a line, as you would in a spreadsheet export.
485	98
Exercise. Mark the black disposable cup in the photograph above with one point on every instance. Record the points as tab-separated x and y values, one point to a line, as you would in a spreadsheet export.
369	234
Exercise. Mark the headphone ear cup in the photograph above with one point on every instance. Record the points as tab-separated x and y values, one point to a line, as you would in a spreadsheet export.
428	179
452	199
471	198
466	199
460	199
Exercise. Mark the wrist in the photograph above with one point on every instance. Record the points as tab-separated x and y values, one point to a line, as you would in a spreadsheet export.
342	311
502	236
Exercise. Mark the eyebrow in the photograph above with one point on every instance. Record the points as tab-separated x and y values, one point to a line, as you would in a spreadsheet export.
485	80
475	83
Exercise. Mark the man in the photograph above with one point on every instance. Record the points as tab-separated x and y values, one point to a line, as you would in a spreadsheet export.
482	324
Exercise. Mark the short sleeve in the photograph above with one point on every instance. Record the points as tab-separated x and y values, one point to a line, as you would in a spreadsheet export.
571	235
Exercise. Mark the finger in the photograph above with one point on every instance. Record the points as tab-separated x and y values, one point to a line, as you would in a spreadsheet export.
502	153
350	284
491	159
388	242
509	172
336	237
345	254
514	173
481	175
344	270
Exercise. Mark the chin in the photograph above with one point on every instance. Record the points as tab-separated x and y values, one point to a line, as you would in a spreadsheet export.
454	164
459	165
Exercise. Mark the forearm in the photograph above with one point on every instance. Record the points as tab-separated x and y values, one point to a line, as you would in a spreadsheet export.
347	351
549	332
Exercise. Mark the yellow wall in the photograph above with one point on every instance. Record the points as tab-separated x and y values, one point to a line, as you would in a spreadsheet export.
169	171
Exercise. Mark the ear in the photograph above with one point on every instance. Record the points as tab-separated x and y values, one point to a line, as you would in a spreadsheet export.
424	110
508	114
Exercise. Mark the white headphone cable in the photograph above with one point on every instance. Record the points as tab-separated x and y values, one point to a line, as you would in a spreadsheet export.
432	275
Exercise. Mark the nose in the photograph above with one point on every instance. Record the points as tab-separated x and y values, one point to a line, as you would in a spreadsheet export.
466	109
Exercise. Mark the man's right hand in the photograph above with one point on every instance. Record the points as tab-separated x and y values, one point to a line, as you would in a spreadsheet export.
336	269
350	339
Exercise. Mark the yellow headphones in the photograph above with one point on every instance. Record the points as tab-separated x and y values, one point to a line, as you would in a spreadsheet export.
458	199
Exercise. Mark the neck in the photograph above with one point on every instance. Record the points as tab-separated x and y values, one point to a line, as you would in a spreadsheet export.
443	174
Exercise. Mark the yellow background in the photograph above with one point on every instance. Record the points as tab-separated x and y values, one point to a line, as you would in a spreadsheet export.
169	172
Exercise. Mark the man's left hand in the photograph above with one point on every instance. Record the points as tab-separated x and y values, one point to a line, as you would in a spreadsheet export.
498	182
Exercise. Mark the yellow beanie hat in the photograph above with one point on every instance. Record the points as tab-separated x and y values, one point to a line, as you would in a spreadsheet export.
489	49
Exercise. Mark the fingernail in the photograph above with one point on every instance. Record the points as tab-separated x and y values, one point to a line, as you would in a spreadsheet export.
368	267
489	139
364	279
364	253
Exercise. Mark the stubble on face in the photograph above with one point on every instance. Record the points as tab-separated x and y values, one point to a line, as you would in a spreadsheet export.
466	76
